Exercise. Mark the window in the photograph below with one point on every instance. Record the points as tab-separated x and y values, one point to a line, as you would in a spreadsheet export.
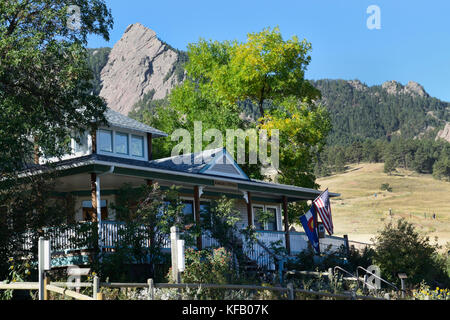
205	209
82	144
188	211
137	146
257	212
271	223
265	218
105	140
121	143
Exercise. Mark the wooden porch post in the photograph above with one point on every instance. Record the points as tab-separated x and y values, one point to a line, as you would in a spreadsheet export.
249	209
197	214
94	141
36	151
286	225
94	191
96	205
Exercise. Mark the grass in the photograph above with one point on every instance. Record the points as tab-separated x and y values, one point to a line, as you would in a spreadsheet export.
363	208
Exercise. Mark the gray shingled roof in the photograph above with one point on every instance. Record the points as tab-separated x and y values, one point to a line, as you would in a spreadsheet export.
117	119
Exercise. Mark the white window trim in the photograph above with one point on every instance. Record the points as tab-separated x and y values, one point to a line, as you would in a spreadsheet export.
129	133
112	141
117	132
265	207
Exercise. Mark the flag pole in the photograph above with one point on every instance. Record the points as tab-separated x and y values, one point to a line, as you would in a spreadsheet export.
316	227
320	195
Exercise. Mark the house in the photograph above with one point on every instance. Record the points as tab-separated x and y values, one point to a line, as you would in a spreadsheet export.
121	153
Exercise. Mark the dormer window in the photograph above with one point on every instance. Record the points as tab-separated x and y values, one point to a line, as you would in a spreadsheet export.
105	140
137	146
121	143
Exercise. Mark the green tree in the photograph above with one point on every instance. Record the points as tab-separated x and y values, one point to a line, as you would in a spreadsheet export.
45	96
339	163
266	68
45	80
266	72
148	214
389	164
441	168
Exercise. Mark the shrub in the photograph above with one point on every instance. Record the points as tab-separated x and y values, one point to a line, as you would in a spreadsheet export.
386	186
400	248
19	271
206	266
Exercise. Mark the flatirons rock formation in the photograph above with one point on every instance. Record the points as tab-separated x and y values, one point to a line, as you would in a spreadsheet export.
412	88
444	133
138	64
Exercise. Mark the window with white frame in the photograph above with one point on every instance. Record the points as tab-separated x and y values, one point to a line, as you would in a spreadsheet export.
137	146
105	140
265	217
121	143
125	144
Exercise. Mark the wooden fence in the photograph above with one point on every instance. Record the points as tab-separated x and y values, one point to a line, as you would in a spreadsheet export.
289	289
56	287
63	289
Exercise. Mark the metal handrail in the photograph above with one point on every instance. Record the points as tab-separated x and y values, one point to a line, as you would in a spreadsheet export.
343	270
367	271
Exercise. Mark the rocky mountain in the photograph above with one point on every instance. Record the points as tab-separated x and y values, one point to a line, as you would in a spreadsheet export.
139	65
444	133
382	111
412	88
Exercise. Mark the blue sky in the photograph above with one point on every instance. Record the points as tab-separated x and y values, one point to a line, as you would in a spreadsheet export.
412	44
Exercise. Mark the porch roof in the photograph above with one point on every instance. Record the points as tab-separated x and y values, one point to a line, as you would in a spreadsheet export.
159	170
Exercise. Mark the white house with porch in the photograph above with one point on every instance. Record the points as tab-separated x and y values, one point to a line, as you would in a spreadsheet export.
121	152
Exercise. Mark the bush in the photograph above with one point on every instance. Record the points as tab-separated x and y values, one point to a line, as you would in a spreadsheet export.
349	260
400	248
386	186
206	266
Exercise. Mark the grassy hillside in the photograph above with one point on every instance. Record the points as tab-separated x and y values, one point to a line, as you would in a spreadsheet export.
360	214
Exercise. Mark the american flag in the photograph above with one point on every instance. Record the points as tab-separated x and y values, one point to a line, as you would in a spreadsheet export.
322	204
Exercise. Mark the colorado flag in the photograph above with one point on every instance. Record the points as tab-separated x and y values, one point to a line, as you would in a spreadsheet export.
307	221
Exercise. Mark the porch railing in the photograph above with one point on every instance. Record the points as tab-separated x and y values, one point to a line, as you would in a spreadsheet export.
113	232
65	239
